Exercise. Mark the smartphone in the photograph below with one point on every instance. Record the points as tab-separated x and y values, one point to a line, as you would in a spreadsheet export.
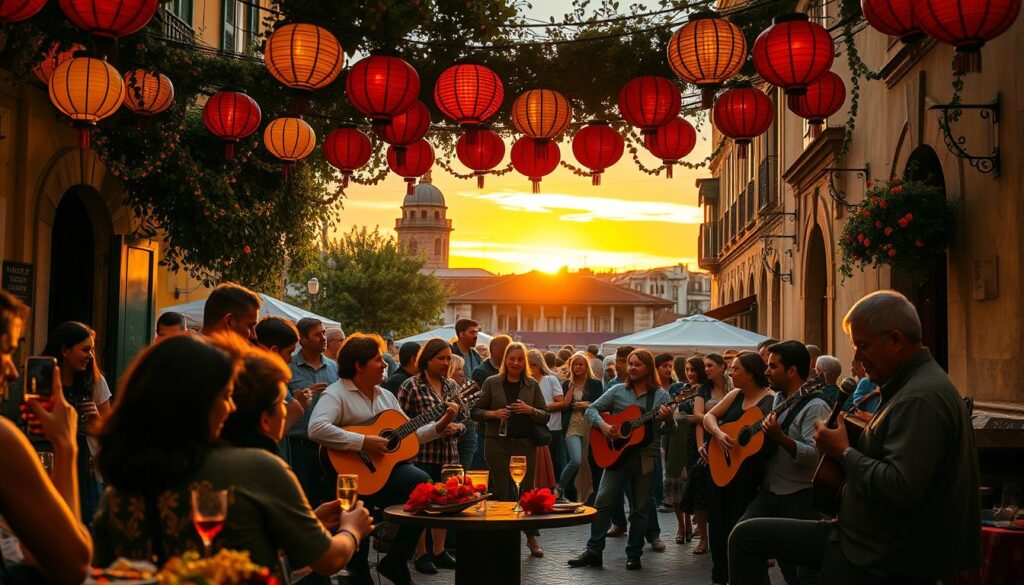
39	377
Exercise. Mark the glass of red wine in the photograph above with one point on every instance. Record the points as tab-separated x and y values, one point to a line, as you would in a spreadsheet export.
209	511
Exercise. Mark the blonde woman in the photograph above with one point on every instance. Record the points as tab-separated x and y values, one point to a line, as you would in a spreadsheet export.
580	389
511	396
551	388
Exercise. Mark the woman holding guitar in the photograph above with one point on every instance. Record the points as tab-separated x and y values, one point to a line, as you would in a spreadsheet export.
695	495
728	503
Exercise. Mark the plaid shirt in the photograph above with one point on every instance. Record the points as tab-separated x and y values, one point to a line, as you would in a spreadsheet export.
416	396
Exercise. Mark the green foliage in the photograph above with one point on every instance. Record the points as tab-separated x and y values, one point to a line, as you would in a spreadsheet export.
904	224
368	283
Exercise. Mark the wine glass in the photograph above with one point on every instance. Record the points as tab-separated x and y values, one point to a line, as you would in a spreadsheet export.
517	469
449	470
348	495
209	511
479	477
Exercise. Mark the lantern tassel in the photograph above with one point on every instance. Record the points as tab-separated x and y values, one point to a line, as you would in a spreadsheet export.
344	180
707	98
229	150
741	150
595	178
410	183
479	180
668	169
82	136
968	60
536	184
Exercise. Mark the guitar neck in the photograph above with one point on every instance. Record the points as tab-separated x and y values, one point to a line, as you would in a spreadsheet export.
434	412
653	412
811	386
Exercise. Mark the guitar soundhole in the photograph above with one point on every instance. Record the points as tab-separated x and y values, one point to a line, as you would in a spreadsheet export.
744	437
393	440
626	429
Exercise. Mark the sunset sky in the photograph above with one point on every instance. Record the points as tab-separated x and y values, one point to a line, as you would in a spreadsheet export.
632	220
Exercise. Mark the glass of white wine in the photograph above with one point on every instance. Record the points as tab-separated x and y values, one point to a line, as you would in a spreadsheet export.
517	469
479	478
348	495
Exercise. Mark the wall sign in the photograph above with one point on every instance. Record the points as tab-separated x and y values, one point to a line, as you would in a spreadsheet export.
18	279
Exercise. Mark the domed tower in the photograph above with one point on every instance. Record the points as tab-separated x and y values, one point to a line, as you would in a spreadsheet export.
424	228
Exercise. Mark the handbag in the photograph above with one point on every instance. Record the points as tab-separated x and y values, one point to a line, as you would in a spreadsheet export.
541	435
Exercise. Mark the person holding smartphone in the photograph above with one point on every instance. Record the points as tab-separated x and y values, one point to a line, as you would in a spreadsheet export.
41	512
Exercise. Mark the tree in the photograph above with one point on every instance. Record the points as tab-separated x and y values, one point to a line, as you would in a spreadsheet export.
371	284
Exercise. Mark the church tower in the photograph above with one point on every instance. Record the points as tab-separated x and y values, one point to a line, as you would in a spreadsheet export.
424	228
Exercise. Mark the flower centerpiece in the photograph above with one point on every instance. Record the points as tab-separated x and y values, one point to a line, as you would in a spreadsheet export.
902	223
227	566
454	491
538	501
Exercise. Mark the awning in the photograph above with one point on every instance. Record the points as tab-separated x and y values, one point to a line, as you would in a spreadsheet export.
733	309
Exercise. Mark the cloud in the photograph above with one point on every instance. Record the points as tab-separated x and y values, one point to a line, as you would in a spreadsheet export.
539	256
579	208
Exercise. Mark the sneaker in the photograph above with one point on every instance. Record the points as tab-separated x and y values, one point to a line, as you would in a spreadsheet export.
657	544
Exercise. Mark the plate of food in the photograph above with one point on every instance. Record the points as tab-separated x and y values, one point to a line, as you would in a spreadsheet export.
125	572
566	507
437	510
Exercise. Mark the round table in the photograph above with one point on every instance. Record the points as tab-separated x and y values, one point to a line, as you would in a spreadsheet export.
488	543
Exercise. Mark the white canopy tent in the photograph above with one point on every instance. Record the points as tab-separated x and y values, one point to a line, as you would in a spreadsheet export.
446	332
269	306
689	335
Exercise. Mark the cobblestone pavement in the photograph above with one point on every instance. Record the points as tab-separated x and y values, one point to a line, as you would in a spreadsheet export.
676	566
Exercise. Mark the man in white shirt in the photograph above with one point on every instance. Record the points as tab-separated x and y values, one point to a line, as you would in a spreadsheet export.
356	399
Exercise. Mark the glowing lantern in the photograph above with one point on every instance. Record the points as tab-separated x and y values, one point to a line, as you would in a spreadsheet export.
541	114
481	150
289	139
469	94
535	159
649	102
892	17
303	56
347	149
231	115
672	143
406	128
109	18
382	87
87	90
18	10
419	157
147	93
54	57
743	113
793	52
967	25
597	146
824	97
706	51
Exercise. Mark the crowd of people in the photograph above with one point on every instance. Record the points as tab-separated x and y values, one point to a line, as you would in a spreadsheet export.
251	405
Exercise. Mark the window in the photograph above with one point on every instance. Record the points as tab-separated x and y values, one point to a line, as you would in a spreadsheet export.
241	25
423	214
437	246
437	215
554	323
182	9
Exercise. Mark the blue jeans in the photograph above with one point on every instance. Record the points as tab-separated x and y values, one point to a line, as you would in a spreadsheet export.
479	460
613	482
574	449
467	446
557	448
619	509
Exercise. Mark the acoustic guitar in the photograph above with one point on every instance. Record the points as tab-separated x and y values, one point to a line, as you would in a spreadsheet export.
830	476
747	436
632	424
400	431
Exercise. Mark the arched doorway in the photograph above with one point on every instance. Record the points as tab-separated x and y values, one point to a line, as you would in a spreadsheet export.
762	301
776	301
72	263
816	319
752	318
930	294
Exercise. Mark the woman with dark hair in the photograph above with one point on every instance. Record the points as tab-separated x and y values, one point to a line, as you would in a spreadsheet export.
728	503
162	439
681	454
73	345
432	387
719	384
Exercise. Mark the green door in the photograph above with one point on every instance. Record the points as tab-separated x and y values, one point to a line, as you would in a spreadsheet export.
131	294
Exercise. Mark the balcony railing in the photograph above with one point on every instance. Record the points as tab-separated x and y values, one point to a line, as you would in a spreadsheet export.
175	29
750	202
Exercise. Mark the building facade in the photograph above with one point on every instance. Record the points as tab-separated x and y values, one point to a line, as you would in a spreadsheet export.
424	228
689	290
772	221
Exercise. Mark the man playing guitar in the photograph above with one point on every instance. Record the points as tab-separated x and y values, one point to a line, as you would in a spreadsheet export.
786	490
643	390
910	513
355	399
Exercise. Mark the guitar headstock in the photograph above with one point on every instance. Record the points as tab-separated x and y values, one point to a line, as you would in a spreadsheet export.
812	385
469	393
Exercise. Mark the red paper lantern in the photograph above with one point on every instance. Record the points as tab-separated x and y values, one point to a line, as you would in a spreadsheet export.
347	149
481	150
535	159
109	18
673	142
793	52
892	17
967	25
406	128
18	10
54	57
231	115
469	94
743	113
824	97
419	157
382	87
597	146
648	102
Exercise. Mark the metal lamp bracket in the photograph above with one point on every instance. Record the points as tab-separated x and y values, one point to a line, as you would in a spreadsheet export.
769	251
989	163
838	195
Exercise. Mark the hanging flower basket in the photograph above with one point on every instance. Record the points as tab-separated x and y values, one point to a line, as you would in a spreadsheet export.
904	224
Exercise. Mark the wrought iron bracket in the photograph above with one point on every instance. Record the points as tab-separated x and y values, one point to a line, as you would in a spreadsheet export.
988	163
791	214
838	195
769	251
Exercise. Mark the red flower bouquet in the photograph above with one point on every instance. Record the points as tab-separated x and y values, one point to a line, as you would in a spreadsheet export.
454	491
538	501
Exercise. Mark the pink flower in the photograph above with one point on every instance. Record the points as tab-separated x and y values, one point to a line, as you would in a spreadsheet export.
860	238
878	224
888	231
896	189
247	249
892	252
883	204
909	217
